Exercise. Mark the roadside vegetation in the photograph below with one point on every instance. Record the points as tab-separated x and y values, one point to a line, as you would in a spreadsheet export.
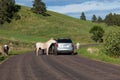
98	53
16	47
112	44
108	51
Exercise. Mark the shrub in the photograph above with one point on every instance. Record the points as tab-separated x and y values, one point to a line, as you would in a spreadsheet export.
98	33
112	44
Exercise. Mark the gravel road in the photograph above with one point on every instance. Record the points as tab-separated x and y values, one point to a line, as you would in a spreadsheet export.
61	67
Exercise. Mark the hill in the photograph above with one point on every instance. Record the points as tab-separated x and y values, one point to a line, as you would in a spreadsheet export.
33	27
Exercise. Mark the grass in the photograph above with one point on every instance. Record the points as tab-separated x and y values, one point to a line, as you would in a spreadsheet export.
2	58
33	27
98	54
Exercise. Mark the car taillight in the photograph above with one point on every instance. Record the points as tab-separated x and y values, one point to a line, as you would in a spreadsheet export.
56	44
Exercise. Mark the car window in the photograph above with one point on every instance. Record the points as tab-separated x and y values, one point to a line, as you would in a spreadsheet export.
64	41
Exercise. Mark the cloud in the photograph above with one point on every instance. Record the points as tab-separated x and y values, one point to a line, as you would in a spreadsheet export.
24	2
75	7
89	14
21	3
86	6
62	2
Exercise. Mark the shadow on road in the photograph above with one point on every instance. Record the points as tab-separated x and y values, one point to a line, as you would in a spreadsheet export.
67	53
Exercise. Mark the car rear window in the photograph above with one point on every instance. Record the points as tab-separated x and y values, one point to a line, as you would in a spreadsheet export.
64	41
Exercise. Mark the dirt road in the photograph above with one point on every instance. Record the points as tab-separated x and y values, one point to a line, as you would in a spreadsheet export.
62	67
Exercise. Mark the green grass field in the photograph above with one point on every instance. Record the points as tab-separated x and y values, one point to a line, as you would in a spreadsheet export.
33	27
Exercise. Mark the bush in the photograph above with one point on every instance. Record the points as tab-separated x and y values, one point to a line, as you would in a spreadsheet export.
112	44
2	58
98	33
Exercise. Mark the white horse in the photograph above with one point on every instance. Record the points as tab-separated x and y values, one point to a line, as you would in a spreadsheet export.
44	46
77	45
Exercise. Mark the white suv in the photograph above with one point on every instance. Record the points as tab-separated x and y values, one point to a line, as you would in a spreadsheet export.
64	45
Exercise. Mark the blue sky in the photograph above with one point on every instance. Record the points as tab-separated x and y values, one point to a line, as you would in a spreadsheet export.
75	7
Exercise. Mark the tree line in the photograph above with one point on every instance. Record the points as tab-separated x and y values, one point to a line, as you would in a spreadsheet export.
110	19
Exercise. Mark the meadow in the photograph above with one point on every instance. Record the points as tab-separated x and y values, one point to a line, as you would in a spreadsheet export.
33	27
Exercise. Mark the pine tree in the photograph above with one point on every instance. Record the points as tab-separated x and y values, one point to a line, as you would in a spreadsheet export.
112	19
108	19
39	7
99	20
94	18
83	17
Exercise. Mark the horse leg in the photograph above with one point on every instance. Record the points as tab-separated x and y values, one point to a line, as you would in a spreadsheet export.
37	51
4	54
47	51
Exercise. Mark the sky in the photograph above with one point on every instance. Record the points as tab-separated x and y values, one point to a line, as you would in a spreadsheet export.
75	7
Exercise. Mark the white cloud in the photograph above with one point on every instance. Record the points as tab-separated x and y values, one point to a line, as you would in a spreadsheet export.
24	0
21	3
86	6
90	7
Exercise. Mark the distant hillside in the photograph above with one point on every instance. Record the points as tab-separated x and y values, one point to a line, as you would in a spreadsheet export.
33	27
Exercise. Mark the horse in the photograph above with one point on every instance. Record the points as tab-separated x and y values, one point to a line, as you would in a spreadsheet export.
44	46
2	51
77	45
6	49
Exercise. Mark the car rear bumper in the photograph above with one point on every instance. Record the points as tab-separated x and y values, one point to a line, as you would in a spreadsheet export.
65	51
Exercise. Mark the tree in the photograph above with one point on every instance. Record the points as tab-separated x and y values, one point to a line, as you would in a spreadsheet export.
82	17
98	33
7	10
112	19
3	11
99	20
39	7
94	18
108	19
